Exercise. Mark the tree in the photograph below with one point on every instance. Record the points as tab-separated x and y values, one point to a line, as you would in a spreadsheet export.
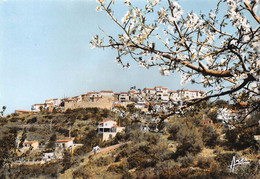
209	136
214	50
51	142
67	160
3	110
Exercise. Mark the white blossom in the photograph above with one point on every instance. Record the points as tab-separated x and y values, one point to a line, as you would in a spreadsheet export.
218	87
98	9
127	2
165	32
167	41
212	15
209	60
163	16
223	60
170	28
100	1
126	17
184	79
164	71
155	2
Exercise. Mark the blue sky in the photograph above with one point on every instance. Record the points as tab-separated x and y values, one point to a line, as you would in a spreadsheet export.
45	52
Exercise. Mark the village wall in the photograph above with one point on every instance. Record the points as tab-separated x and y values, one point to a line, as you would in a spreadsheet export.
86	104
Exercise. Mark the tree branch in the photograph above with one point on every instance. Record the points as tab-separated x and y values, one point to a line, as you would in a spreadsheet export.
252	12
245	82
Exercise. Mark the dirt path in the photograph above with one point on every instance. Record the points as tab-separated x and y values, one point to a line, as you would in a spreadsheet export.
103	151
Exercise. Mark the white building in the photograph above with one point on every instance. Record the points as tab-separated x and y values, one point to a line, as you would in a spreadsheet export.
56	102
65	144
106	93
32	146
190	94
124	97
37	107
108	129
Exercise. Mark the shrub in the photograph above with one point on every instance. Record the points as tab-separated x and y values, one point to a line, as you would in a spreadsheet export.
51	142
224	159
67	160
204	163
189	142
141	160
32	120
81	173
240	139
209	136
14	119
186	160
119	167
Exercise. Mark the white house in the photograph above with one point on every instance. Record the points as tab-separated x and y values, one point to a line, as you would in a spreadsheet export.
108	129
62	145
30	145
190	94
124	97
161	89
65	144
37	107
55	102
106	93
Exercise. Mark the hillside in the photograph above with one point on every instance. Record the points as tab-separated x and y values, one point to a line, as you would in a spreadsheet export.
184	148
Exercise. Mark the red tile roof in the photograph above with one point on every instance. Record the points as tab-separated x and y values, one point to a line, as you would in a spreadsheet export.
106	91
30	142
115	125
172	91
22	110
71	99
149	89
64	140
124	93
107	121
117	104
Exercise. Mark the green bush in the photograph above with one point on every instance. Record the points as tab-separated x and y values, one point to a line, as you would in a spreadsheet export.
189	142
224	159
204	163
186	161
209	136
81	173
141	161
120	167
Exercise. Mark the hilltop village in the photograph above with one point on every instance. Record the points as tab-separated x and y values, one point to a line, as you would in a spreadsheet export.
109	99
122	135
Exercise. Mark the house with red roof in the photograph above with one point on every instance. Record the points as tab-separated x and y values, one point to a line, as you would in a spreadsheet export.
30	145
108	129
206	122
64	144
191	94
24	112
